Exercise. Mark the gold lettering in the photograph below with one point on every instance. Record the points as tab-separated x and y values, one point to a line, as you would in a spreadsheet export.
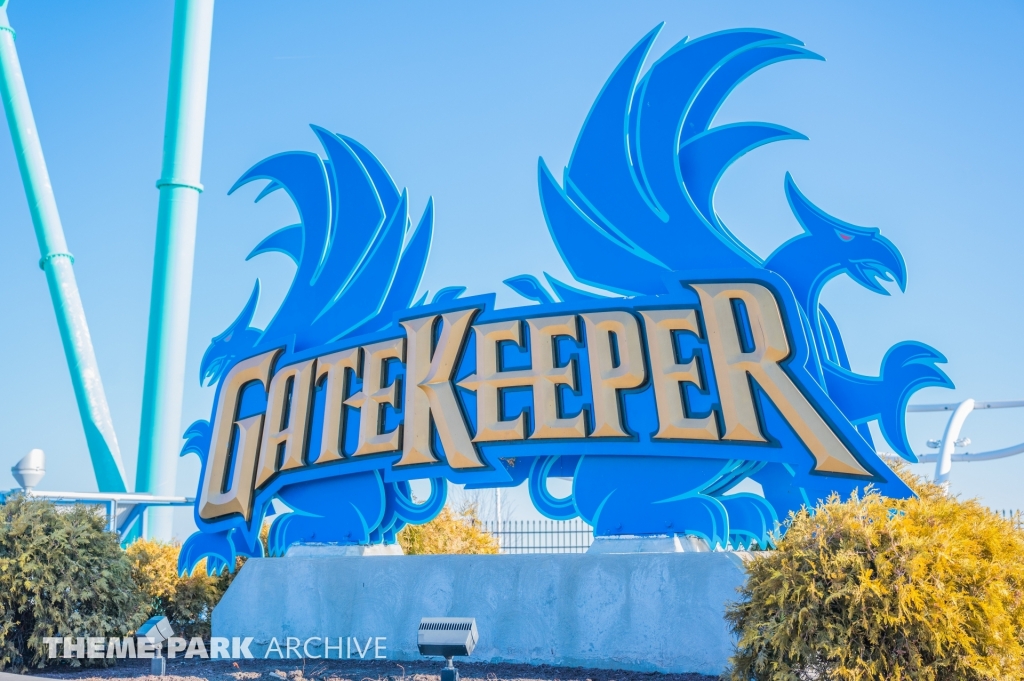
372	399
670	377
214	500
288	413
429	392
488	381
548	378
606	380
333	368
544	378
733	366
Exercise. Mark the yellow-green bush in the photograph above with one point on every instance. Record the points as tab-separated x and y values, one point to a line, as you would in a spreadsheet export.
61	574
187	601
450	532
873	588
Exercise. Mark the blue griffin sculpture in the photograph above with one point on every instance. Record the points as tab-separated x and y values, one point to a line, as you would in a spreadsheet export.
634	220
637	204
357	262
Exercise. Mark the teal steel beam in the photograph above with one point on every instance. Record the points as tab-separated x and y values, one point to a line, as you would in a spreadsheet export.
160	431
56	262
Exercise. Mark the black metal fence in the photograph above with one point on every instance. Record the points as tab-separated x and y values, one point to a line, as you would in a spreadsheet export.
1014	515
575	536
542	536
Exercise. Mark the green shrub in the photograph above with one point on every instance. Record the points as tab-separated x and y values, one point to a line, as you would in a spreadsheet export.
450	532
61	574
873	588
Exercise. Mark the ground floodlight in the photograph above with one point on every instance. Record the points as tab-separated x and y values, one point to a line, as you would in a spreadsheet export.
447	637
156	630
30	470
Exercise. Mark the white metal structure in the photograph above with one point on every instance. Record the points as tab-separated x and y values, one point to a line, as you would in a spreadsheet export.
945	457
121	509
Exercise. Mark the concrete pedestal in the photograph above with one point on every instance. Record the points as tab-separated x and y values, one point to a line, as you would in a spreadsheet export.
636	611
657	544
327	550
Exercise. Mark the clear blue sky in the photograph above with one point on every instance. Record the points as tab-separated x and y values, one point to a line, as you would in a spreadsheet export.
914	123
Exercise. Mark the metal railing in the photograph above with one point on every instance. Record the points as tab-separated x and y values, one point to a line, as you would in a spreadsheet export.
122	510
541	536
950	440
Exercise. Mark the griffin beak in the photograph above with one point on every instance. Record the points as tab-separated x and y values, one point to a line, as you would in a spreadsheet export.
887	266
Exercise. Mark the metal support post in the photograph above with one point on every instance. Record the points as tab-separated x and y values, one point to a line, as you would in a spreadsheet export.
56	263
949	437
160	428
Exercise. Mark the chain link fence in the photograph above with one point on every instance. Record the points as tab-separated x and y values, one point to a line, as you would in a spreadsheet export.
541	536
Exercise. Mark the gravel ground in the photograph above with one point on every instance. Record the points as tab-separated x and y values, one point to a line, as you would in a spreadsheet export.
350	670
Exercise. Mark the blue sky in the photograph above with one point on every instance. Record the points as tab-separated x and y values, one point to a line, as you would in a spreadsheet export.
913	120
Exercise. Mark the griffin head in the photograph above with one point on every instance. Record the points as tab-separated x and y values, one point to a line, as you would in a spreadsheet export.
862	252
234	341
829	247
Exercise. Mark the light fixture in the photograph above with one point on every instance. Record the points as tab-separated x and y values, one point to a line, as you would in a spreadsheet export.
156	630
447	637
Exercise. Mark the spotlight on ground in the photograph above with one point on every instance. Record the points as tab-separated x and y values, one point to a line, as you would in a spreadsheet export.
447	637
156	630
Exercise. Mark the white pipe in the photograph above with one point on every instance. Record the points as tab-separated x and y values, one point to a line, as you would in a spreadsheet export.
949	438
980	456
950	406
127	498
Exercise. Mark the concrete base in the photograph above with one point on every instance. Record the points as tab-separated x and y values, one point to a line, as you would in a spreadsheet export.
634	611
658	544
335	550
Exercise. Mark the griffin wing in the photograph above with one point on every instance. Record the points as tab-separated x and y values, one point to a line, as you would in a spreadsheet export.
356	259
636	201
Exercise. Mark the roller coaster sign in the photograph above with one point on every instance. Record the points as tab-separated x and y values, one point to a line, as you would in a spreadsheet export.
682	368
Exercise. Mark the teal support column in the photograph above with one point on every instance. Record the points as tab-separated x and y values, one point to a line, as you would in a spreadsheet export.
56	263
160	433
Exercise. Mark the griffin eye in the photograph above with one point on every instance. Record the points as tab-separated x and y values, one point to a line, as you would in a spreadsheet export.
845	236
